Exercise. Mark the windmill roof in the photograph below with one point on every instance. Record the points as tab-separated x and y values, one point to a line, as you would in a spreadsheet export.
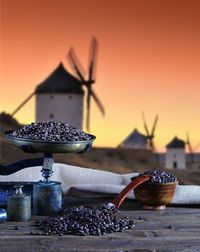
135	137
60	81
176	143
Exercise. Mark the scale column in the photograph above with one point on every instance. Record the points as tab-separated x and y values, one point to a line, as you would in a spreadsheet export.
47	194
47	169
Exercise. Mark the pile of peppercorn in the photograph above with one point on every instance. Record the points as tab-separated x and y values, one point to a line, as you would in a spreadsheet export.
50	132
158	176
84	220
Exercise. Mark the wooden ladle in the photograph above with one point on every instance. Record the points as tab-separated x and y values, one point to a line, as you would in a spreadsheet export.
118	200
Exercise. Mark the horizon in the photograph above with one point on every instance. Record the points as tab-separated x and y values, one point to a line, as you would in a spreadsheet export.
149	60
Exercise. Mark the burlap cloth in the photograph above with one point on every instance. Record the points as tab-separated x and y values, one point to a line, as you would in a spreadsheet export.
88	183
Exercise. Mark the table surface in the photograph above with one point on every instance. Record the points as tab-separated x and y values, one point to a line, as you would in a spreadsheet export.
173	229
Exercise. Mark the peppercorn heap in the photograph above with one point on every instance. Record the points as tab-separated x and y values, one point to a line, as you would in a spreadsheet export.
157	176
84	220
50	132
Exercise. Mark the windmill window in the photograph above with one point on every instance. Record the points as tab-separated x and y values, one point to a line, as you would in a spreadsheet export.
51	96
51	116
70	96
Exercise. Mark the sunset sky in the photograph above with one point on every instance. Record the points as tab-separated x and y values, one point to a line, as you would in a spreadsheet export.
149	60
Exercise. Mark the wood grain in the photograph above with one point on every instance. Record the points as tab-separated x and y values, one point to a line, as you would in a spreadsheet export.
152	233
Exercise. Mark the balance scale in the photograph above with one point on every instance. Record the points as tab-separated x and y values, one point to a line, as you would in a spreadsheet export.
47	194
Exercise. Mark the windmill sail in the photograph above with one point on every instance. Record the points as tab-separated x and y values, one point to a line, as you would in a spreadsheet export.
79	71
154	125
92	59
189	143
98	102
76	65
150	136
145	125
23	103
191	151
88	108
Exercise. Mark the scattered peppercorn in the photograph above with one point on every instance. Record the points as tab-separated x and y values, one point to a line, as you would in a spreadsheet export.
170	227
84	220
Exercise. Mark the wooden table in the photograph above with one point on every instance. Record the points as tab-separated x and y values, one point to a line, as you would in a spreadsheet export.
174	229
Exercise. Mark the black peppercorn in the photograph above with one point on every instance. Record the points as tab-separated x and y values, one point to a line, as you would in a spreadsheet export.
84	220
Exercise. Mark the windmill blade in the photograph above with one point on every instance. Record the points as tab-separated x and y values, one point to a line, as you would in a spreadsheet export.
76	65
145	125
190	147
187	138
92	59
98	102
154	125
189	143
88	109
152	145
23	103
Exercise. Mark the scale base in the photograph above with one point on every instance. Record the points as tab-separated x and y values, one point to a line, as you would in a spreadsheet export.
156	208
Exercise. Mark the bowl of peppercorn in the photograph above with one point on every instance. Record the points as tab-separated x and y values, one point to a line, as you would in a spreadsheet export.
158	191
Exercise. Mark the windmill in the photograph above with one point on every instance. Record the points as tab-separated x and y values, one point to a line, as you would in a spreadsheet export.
150	135
91	76
59	90
60	81
190	147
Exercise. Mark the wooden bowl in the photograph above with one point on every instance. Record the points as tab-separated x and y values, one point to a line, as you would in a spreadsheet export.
155	196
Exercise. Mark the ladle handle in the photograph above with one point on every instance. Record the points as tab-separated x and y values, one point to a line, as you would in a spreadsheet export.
132	185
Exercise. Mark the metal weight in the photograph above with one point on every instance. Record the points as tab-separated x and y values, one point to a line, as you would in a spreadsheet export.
19	206
47	198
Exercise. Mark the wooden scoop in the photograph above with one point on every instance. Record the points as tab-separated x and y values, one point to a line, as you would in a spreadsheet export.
117	201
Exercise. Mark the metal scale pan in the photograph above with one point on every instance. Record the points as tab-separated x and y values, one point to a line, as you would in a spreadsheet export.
34	146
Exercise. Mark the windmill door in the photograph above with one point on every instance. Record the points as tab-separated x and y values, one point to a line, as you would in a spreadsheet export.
175	164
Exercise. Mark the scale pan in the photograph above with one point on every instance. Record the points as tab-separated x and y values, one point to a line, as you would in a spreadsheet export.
34	146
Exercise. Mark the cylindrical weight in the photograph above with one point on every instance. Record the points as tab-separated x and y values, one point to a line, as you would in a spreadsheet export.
47	198
19	206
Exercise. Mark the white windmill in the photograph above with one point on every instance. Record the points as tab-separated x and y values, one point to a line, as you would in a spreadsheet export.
60	96
135	140
175	155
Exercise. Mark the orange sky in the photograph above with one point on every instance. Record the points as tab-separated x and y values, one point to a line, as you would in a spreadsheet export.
149	59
